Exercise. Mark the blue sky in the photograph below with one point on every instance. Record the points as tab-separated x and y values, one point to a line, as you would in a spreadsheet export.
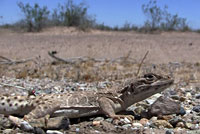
110	12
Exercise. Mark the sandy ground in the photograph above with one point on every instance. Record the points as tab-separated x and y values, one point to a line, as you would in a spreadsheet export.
69	42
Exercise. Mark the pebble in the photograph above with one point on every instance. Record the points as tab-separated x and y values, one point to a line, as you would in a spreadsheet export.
96	123
54	132
196	108
154	118
174	121
188	95
180	124
126	126
182	111
198	96
169	132
98	119
175	97
189	125
162	124
138	125
144	121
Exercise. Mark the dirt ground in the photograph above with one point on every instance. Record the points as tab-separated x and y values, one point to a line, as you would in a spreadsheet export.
69	42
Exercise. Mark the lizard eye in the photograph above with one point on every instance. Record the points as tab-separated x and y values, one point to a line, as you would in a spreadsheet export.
149	77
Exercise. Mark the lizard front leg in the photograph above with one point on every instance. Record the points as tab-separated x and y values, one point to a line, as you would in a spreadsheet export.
108	107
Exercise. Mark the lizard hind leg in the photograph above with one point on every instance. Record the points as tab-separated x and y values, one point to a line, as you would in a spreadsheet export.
42	110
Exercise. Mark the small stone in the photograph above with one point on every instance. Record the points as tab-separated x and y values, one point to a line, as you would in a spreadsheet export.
77	129
198	96
182	111
193	132
144	121
169	132
109	120
8	131
126	126
174	121
152	99
154	118
196	108
167	117
182	99
175	97
127	121
98	119
53	132
188	95
138	125
180	124
162	123
96	123
189	125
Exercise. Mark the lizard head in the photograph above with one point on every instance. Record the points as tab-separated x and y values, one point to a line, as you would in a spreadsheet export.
146	86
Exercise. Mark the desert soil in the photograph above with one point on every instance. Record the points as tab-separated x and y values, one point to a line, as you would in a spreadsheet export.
69	42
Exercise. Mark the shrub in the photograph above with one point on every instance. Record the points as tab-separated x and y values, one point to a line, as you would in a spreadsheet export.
71	14
35	16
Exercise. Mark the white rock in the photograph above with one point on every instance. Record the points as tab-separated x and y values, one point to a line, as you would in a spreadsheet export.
53	132
138	125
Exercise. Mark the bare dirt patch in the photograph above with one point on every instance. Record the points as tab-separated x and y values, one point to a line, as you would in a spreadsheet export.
69	42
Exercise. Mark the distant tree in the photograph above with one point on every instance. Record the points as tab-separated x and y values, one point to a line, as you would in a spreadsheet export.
35	16
158	18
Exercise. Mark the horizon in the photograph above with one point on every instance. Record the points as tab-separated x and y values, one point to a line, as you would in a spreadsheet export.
112	13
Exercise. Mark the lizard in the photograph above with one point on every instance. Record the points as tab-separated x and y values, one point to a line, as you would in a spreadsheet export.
85	103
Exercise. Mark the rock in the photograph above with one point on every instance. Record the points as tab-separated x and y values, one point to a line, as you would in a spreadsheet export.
109	120
152	99
144	121
167	117
169	132
8	131
164	106
98	119
138	125
188	95
189	125
196	108
176	120
193	132
182	99
162	124
180	124
182	111
126	126
53	132
198	96
154	118
127	121
96	123
175	97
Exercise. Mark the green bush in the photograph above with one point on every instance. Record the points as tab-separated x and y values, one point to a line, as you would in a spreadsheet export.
35	17
71	14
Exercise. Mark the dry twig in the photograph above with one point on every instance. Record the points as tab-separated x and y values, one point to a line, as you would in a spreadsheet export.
11	62
141	63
